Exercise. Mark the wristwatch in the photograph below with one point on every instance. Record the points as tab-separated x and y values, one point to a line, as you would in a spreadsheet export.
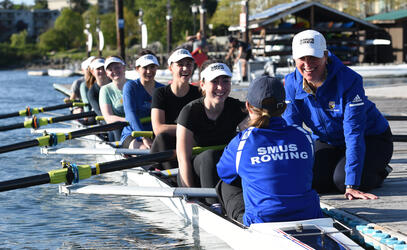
352	187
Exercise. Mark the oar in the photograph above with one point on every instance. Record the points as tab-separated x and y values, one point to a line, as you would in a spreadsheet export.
36	122
54	139
395	118
400	138
169	192
142	120
32	111
72	173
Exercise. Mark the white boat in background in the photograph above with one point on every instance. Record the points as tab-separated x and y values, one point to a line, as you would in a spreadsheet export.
61	72
37	72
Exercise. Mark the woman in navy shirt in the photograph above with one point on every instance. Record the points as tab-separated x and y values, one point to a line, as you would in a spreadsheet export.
273	160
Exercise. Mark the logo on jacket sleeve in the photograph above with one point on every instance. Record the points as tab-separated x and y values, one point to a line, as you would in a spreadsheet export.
357	101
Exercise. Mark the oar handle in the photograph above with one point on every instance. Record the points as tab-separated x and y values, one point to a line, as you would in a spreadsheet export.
148	134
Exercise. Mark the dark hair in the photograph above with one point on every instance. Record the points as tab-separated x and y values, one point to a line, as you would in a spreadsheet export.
231	39
263	115
116	57
145	52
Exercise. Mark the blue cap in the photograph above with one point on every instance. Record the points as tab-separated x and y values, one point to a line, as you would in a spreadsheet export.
266	87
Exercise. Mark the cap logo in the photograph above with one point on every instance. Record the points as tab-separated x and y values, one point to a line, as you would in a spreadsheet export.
149	57
216	67
307	41
183	52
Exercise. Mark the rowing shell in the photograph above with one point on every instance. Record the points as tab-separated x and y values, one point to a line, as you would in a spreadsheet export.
307	234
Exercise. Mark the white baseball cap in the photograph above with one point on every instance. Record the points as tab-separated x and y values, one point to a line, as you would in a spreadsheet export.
214	70
97	63
113	59
308	43
85	64
147	60
178	55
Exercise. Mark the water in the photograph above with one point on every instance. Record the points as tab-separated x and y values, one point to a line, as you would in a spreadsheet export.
41	218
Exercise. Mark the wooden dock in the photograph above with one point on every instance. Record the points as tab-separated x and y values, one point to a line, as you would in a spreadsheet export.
389	212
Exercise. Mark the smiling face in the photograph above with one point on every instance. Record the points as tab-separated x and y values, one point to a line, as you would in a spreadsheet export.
182	70
100	76
115	71
217	90
147	73
312	68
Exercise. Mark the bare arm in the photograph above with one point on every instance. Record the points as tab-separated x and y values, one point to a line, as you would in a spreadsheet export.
184	153
158	122
230	53
108	115
239	54
244	124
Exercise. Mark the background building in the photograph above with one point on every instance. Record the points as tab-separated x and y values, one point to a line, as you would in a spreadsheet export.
104	5
34	21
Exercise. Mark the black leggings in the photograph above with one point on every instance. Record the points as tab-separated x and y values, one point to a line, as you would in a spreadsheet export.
329	165
163	142
231	198
205	173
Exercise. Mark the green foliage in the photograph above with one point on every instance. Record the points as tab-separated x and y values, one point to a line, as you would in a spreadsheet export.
12	56
40	4
66	34
6	4
19	40
79	5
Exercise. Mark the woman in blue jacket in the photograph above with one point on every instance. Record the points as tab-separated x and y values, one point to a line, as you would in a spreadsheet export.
353	141
273	160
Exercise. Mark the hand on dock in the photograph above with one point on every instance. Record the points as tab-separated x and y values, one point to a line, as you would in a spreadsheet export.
351	194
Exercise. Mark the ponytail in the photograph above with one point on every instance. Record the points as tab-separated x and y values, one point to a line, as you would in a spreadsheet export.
262	119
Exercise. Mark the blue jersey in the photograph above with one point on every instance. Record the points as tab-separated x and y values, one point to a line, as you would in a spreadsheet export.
339	113
275	166
137	104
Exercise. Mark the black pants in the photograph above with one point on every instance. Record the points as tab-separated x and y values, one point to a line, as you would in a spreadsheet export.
205	173
115	135
163	142
231	198
329	166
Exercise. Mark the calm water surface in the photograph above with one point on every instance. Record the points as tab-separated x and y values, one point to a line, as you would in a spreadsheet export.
41	218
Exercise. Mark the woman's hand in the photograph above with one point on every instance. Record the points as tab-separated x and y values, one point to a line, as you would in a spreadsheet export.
351	194
147	143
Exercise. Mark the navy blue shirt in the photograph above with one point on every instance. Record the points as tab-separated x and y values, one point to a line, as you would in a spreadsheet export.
275	166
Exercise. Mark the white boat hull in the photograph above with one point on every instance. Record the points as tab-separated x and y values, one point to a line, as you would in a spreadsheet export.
257	236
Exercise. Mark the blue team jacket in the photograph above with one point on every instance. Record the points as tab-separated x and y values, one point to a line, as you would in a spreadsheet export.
339	114
275	165
137	104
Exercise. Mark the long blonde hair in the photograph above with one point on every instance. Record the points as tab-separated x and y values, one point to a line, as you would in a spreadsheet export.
262	119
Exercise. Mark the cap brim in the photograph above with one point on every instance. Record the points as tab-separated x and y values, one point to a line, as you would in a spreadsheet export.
215	74
308	52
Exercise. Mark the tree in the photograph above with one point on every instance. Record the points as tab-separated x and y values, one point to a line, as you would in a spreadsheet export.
40	4
19	40
79	5
66	34
6	4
